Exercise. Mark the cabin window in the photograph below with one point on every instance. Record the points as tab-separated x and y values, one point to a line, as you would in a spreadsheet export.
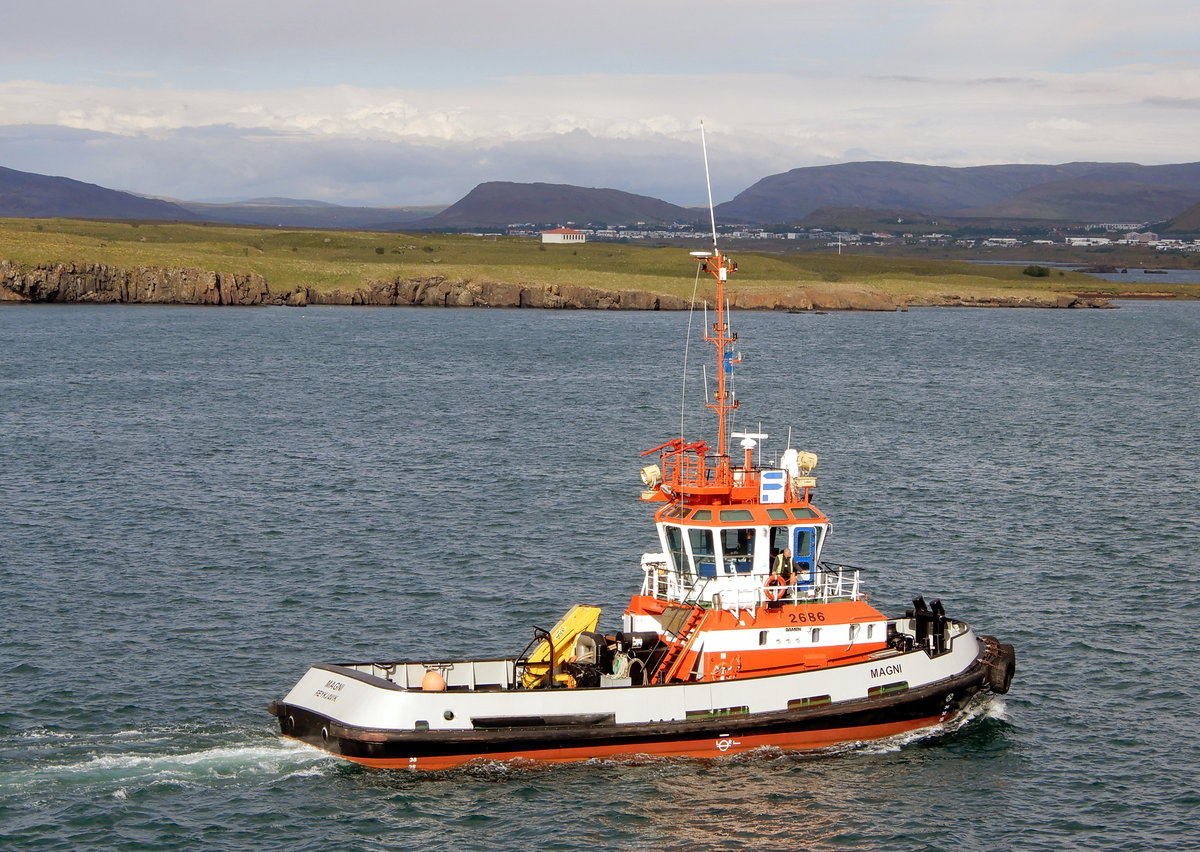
777	514
675	549
804	514
779	540
728	515
815	635
702	515
870	631
888	688
737	546
701	542
762	637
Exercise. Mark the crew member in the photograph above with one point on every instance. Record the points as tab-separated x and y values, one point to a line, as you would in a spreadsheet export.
784	566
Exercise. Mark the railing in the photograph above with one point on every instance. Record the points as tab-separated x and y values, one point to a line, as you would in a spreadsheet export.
828	583
658	581
684	468
461	674
840	582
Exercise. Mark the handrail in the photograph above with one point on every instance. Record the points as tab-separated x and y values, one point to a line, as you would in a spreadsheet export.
828	582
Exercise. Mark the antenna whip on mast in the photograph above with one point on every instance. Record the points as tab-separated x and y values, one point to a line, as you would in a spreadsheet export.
708	183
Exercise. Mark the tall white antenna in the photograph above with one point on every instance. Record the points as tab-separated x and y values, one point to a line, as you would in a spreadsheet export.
708	182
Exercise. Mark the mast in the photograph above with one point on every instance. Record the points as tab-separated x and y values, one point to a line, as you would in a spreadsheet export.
719	266
686	475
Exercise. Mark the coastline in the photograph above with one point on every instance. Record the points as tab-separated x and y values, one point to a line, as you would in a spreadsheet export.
94	283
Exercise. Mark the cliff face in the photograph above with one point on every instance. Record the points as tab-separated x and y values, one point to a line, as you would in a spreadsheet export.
97	283
442	293
94	282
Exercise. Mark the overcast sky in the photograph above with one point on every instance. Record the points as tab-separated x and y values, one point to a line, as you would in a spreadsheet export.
387	102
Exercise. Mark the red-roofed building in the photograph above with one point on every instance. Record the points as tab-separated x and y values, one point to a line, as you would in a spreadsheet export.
563	235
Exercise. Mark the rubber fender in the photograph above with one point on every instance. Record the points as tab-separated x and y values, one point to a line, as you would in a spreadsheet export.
1000	672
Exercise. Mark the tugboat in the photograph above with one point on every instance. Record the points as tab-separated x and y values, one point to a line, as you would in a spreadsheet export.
741	637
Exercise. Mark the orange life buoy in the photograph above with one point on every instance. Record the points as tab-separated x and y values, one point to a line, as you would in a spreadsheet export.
774	587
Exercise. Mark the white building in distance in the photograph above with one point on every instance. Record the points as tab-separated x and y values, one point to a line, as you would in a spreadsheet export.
563	235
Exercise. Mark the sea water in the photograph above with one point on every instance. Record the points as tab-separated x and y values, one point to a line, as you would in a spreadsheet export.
196	504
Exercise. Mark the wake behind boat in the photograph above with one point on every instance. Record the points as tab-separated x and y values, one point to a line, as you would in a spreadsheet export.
741	636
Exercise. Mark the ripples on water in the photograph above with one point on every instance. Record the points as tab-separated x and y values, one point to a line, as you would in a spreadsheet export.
196	504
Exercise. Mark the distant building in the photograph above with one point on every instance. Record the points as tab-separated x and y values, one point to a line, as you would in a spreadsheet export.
564	235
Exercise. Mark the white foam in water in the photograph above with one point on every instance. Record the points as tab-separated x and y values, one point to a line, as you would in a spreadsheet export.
996	709
44	734
222	762
980	707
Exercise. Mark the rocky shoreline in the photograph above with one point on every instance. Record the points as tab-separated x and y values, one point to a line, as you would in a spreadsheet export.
86	283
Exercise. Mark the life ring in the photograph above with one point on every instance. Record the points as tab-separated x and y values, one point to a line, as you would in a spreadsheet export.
774	588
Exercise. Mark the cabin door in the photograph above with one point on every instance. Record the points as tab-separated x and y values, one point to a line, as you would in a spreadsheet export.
804	542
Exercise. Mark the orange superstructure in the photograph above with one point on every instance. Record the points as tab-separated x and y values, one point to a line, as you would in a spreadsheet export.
739	589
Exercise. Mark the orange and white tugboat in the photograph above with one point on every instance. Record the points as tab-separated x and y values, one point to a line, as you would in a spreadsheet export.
741	637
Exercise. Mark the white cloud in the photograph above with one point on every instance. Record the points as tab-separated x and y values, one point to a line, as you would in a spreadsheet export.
1068	125
376	86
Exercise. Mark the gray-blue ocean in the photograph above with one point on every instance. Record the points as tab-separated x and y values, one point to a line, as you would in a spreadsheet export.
196	504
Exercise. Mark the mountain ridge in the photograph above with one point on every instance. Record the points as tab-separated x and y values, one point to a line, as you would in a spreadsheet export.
34	196
999	191
1078	192
501	203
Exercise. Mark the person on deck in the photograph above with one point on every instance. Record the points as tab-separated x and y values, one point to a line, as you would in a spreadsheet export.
784	566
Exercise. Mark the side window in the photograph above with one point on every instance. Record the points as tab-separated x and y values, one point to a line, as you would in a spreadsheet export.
701	542
675	549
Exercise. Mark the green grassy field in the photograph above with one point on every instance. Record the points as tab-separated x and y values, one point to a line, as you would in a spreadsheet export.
325	260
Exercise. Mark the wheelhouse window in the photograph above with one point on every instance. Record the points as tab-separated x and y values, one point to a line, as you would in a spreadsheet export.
701	542
676	550
737	547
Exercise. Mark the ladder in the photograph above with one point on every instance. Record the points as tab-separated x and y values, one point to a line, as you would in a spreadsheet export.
677	652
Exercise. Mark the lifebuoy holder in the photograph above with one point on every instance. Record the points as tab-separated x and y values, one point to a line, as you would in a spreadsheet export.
774	588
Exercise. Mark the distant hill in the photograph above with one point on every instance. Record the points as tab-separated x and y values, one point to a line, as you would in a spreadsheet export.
1187	222
500	203
866	218
34	196
867	195
1093	199
1070	191
292	213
